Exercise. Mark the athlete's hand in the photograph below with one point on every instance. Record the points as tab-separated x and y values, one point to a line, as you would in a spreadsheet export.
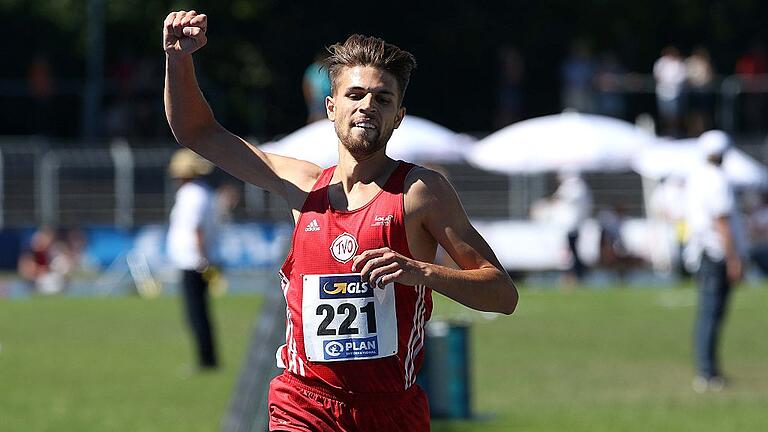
382	266
184	32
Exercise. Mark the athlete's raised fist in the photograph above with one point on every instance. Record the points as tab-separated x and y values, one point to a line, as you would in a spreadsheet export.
184	32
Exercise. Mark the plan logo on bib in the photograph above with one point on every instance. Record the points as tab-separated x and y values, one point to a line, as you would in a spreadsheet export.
359	348
344	247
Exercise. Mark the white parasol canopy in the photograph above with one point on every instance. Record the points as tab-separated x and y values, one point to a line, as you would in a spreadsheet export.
562	142
678	157
416	140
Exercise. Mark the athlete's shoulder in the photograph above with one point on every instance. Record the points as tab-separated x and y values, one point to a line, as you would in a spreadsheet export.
422	179
424	187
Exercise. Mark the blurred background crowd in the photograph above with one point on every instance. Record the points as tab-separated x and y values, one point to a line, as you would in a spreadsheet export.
78	53
85	145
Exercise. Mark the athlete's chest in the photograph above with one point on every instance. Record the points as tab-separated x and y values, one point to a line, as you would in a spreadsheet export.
357	198
336	237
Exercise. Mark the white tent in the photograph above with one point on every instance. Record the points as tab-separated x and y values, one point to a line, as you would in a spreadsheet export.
562	142
678	157
416	140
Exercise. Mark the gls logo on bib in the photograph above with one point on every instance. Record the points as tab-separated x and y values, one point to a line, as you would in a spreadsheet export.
347	286
344	247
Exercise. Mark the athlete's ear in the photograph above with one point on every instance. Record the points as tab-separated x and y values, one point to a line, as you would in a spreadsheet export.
330	108
399	116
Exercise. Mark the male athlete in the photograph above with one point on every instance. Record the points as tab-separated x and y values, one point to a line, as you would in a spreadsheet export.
359	276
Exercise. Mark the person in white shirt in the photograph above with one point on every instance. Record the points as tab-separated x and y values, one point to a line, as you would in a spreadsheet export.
191	234
713	252
667	206
670	75
573	206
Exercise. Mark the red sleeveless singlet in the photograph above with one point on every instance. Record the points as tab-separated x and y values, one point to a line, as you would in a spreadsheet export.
340	331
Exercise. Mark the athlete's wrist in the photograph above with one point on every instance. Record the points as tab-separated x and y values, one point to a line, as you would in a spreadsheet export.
177	58
424	272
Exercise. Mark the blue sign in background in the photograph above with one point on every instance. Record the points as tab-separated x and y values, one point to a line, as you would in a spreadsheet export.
239	246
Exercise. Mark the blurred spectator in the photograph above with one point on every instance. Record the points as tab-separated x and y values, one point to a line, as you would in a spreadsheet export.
191	237
610	221
614	254
45	265
575	199
568	207
670	75
577	73
609	78
41	87
714	252
75	243
316	86
509	102
749	67
227	196
665	205
701	91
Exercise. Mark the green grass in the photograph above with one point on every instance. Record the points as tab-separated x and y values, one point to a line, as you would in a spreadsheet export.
593	360
613	360
114	364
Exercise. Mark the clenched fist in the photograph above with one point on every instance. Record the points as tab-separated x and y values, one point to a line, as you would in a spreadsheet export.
184	32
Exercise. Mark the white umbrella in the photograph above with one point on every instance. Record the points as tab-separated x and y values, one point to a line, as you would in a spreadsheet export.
562	142
416	140
677	158
315	142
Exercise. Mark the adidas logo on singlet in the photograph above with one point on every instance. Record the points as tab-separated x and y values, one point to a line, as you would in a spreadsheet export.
312	226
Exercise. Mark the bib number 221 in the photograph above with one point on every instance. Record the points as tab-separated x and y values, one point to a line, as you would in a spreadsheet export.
349	311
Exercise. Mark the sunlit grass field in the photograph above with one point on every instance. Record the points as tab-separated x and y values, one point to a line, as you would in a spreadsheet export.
584	360
614	360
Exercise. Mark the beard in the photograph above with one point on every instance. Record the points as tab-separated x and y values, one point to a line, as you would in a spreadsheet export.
364	144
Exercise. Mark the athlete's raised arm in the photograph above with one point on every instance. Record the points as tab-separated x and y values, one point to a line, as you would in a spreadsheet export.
432	205
195	127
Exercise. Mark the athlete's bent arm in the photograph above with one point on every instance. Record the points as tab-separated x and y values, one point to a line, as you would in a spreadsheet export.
195	127
481	283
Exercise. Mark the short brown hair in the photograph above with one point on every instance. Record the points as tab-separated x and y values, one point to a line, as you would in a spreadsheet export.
359	50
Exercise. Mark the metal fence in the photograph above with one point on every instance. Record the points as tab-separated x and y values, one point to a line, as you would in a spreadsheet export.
60	184
66	185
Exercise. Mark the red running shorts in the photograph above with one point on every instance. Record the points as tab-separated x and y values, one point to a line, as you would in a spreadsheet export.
295	405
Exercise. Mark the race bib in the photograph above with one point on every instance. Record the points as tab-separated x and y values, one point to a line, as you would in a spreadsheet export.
346	319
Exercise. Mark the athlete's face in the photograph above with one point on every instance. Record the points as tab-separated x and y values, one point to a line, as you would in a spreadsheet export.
365	109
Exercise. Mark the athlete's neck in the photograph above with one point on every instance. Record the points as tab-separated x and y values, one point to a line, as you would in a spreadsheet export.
352	171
